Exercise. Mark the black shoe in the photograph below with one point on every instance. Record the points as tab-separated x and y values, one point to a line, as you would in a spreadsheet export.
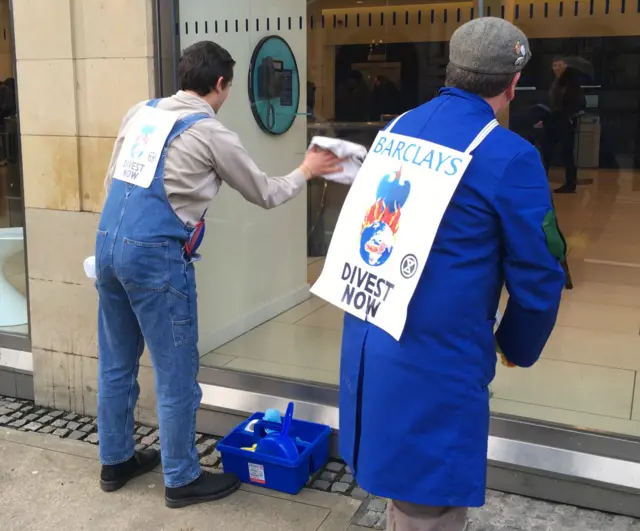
208	487
565	189
114	477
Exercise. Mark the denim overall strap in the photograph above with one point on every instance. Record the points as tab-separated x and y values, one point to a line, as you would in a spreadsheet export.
181	126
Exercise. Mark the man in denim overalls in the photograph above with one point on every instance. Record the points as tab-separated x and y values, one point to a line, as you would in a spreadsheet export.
169	161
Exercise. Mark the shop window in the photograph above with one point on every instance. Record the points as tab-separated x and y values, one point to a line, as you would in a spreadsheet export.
366	64
13	278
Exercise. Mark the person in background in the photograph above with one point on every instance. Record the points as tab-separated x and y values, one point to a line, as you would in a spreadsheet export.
385	98
145	252
353	99
566	99
311	101
414	412
8	98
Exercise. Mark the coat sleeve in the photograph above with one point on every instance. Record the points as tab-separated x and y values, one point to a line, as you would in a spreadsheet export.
533	248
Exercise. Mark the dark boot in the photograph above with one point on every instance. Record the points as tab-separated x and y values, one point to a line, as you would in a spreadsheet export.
208	487
565	189
114	477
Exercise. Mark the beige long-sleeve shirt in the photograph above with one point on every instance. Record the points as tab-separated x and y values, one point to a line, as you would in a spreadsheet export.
203	157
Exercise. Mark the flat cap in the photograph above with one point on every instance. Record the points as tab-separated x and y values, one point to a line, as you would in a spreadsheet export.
489	45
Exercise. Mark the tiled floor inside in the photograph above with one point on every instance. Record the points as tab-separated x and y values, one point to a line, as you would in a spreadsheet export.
588	374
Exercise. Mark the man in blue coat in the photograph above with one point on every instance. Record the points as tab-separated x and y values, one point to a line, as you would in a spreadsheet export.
414	413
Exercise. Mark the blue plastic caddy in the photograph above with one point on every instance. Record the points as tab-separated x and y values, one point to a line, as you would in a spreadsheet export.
284	475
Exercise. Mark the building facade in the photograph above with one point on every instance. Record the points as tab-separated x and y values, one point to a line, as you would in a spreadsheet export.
347	66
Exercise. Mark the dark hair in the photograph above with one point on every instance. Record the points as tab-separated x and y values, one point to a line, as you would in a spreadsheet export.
201	66
484	85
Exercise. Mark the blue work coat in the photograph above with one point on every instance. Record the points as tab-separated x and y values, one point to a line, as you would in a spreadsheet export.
414	413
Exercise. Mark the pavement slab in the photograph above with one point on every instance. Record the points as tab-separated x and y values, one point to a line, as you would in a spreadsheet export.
50	484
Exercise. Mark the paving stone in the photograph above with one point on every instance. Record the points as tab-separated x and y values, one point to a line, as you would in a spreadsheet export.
87	428
27	409
61	432
60	423
140	447
33	426
18	423
198	438
347	470
31	417
77	435
359	494
347	478
70	416
210	460
322	485
340	488
149	440
17	415
13	406
334	466
56	414
205	447
46	419
377	505
328	476
42	411
144	430
85	420
5	420
137	437
155	447
369	519
5	411
73	426
92	438
46	429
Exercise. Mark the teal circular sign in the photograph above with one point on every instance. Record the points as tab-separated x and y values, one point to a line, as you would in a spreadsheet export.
274	85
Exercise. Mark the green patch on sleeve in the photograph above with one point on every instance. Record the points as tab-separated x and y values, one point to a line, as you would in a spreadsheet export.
555	241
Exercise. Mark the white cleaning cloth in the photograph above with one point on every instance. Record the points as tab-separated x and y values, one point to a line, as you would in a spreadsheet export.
353	155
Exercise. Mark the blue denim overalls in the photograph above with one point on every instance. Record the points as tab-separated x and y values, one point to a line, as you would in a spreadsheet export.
147	292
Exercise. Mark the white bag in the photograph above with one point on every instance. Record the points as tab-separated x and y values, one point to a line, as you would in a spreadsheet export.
90	267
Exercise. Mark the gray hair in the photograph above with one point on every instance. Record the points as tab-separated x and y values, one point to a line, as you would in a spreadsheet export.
484	85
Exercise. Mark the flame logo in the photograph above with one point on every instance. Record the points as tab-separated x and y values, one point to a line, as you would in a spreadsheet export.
381	212
382	220
137	150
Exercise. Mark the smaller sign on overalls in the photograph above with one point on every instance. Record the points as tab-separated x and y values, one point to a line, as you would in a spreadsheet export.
143	144
387	226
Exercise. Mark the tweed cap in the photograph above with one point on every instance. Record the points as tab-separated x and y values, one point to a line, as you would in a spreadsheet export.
489	45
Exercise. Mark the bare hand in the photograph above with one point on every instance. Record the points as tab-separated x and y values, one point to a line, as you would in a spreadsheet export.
320	162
